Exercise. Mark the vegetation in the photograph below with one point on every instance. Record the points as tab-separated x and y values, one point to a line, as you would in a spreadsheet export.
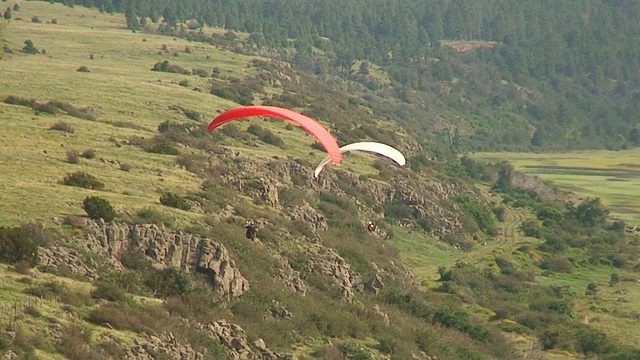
507	266
515	78
98	208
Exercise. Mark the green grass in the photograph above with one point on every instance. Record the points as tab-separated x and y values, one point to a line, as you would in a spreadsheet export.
614	176
120	88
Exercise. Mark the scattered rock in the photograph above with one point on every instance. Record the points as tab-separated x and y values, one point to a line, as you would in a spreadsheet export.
235	339
150	347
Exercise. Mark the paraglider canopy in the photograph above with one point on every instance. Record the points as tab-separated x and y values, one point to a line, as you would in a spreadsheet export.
374	147
316	129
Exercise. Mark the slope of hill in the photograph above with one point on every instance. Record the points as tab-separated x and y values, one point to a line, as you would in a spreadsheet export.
91	109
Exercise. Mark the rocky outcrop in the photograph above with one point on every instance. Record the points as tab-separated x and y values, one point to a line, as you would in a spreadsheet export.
288	276
330	263
278	312
378	311
57	257
375	284
151	347
309	215
184	251
235	339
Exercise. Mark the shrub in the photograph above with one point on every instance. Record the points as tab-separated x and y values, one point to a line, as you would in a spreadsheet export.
184	83
175	201
88	154
62	126
557	264
18	100
73	344
98	208
200	72
48	107
169	282
107	291
46	290
83	180
73	157
459	320
83	69
163	148
166	67
16	246
36	19
29	48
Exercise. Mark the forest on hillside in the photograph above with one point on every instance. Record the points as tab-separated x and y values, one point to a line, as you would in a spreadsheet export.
552	76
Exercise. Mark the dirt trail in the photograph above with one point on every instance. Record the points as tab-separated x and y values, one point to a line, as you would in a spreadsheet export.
508	239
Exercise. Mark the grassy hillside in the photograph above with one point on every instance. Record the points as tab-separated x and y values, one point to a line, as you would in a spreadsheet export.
311	277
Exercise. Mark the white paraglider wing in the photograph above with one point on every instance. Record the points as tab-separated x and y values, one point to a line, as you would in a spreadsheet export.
374	147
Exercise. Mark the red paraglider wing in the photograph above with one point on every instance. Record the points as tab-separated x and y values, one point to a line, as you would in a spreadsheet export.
316	129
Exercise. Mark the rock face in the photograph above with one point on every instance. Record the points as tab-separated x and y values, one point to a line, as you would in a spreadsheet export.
164	248
234	338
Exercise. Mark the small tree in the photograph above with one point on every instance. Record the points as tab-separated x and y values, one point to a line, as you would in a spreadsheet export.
29	48
98	208
16	7
7	14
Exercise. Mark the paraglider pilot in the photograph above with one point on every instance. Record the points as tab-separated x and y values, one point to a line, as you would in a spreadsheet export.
251	230
371	226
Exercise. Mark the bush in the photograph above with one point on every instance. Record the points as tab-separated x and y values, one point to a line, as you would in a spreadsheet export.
88	154
83	69
107	291
29	48
175	201
200	72
62	126
169	282
163	148
557	264
16	246
98	208
83	180
73	157
164	66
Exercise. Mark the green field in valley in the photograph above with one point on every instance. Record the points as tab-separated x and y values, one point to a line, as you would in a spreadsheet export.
613	176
